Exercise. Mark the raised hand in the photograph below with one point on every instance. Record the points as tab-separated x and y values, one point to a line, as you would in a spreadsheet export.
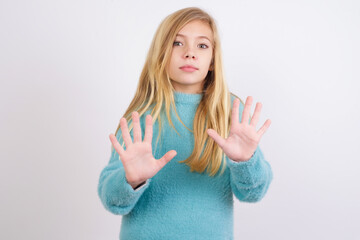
138	161
243	137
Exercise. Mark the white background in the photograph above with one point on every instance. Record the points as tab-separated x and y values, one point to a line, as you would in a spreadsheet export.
69	69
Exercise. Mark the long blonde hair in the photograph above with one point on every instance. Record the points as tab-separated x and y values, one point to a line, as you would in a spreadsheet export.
155	90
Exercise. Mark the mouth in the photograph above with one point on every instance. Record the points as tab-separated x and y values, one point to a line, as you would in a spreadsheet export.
188	68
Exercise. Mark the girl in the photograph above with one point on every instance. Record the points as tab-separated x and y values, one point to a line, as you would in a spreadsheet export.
173	188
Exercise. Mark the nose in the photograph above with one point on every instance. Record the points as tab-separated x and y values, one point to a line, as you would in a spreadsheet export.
189	53
188	56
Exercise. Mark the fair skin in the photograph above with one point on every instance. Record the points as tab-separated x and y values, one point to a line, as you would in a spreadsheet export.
192	46
243	137
138	161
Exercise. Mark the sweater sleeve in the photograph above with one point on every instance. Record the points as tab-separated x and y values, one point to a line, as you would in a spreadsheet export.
115	193
250	180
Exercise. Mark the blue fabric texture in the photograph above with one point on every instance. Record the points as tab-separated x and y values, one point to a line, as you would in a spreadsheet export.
177	203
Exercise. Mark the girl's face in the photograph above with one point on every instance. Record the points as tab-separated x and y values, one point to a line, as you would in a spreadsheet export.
191	57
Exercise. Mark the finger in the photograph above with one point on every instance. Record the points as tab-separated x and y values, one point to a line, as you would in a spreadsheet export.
166	158
137	128
125	132
235	113
264	127
148	129
255	117
247	108
217	138
119	149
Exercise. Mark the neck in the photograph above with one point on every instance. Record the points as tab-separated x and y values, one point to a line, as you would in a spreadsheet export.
181	97
190	89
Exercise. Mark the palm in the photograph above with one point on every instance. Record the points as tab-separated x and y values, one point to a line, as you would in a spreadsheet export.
243	137
138	161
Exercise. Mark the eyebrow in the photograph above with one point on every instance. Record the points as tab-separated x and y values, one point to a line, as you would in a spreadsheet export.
181	35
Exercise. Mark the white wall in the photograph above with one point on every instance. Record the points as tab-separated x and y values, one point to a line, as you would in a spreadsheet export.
68	70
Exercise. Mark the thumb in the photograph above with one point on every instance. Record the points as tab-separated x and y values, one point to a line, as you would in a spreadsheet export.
217	138
166	158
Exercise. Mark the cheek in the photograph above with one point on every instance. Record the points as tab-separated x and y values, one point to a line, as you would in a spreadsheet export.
208	56
208	61
173	59
171	67
175	53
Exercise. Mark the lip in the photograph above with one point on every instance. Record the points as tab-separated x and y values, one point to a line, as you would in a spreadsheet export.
188	68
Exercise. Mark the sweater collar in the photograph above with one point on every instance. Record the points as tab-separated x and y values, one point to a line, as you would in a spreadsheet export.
181	97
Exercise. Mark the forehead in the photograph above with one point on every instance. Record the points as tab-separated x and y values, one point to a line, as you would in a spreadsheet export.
195	29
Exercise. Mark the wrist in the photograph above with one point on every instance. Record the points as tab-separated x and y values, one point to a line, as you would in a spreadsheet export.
244	160
138	185
135	185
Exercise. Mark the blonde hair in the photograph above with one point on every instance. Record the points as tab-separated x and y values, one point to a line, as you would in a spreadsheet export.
155	90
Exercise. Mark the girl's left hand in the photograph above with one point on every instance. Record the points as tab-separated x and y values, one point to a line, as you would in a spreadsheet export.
243	137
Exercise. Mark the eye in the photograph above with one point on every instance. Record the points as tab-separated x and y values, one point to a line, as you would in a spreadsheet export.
176	43
203	46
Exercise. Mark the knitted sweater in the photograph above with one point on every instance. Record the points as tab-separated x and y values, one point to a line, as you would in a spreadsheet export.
176	203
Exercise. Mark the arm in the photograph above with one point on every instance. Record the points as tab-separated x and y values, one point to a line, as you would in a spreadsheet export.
115	193
250	180
250	174
137	164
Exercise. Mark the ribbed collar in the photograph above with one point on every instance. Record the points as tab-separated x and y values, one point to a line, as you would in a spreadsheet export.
181	97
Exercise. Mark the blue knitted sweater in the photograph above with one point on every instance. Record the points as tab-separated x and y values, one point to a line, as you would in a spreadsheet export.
177	203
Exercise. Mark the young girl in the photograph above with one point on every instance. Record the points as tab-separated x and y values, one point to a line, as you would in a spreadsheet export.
171	187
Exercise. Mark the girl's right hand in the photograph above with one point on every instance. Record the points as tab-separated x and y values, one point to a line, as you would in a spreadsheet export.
138	161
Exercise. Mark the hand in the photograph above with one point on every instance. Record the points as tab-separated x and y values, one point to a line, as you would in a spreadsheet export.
243	137
138	161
